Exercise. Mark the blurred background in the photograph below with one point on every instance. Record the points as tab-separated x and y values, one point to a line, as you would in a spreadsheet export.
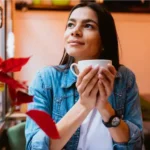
35	28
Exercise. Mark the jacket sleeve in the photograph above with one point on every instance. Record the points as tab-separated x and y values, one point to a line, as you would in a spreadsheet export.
36	139
132	117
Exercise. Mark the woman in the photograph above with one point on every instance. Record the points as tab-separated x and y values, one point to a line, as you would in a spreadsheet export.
112	94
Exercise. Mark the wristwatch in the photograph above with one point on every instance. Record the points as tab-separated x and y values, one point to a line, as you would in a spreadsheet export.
114	121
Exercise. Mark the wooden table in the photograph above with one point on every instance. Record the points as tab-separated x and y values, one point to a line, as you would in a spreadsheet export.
17	116
2	126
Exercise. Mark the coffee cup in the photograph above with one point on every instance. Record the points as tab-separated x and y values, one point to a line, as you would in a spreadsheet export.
81	65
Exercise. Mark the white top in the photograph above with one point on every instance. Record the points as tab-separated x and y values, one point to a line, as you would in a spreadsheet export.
93	134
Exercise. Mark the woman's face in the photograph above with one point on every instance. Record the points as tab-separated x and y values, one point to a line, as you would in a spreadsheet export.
82	38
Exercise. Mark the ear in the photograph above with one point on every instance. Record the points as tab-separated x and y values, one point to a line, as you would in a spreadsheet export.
102	49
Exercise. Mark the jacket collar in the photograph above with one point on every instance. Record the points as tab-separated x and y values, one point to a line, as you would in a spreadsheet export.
118	75
68	79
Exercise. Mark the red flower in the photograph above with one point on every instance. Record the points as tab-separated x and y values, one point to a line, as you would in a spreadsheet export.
45	122
14	65
18	94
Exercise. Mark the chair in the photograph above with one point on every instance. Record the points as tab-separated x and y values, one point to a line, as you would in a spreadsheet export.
16	137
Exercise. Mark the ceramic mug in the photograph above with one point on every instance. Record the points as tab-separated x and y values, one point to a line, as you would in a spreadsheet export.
85	63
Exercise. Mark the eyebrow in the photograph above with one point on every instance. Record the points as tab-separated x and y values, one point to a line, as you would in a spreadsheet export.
84	21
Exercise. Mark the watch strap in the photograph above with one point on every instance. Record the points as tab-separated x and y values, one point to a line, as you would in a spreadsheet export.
109	123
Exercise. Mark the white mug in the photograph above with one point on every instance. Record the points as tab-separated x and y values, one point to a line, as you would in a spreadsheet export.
85	63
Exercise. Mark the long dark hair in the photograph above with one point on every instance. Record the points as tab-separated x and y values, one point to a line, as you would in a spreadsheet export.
107	32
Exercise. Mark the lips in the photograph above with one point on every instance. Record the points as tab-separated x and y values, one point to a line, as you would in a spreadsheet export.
75	42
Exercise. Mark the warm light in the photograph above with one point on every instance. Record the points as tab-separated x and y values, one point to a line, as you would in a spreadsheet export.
2	86
100	1
142	1
1	17
60	3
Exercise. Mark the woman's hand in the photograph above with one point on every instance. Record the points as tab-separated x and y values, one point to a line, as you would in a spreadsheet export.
105	85
87	87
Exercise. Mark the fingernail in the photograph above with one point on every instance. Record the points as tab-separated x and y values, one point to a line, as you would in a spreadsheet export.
101	70
96	66
99	76
100	82
89	66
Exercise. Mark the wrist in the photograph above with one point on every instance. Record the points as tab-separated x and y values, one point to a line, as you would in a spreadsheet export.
84	107
107	112
114	121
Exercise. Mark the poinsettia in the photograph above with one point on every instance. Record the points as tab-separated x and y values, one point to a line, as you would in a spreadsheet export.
13	64
1	60
17	90
18	94
45	122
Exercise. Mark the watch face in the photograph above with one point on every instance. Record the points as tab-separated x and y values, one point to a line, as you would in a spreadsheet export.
115	121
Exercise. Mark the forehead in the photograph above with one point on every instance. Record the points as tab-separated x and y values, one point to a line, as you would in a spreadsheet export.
84	13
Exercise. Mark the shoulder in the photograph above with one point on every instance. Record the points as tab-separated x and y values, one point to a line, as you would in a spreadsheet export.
125	72
127	75
50	71
47	75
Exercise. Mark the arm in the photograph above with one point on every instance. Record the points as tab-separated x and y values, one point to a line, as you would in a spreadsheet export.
69	124
133	116
120	133
106	83
128	134
36	139
86	85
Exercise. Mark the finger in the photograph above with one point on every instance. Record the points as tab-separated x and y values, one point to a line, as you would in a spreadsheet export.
105	83
107	74
101	88
91	84
94	91
87	78
82	74
112	69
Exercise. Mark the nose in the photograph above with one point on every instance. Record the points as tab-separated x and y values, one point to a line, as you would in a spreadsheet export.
77	32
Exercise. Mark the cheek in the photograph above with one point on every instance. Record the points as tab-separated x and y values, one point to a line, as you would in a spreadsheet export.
94	42
66	36
98	41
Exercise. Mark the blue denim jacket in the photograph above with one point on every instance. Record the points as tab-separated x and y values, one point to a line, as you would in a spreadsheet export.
55	92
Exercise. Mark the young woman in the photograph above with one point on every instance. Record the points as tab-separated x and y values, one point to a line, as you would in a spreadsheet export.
101	108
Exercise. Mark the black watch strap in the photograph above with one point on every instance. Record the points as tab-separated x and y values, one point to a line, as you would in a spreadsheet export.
114	121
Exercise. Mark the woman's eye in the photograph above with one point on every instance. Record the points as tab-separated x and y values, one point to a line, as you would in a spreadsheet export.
89	26
70	25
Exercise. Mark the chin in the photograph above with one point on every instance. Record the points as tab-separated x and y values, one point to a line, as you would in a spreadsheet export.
74	52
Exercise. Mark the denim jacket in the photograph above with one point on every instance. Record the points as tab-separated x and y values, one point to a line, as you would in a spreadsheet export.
55	93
